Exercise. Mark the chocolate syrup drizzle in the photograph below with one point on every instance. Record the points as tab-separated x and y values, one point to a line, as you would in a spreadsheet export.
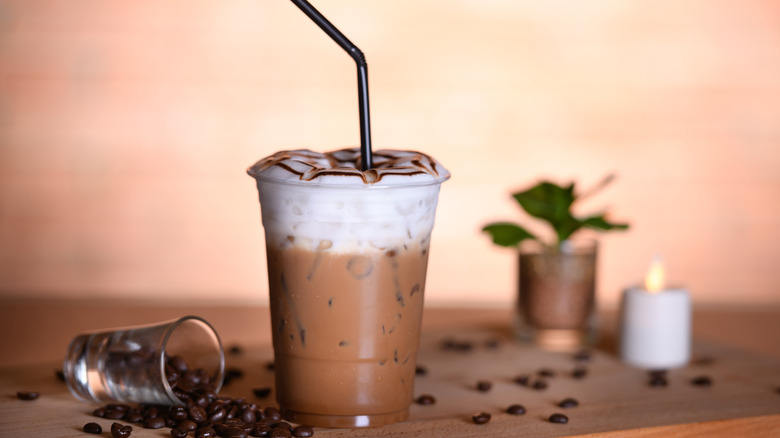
309	166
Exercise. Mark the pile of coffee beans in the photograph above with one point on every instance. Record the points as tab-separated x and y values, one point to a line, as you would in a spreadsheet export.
202	414
206	415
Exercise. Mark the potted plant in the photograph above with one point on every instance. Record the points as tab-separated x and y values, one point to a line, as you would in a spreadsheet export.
556	287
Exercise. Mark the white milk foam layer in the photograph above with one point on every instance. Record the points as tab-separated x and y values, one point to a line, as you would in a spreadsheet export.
323	201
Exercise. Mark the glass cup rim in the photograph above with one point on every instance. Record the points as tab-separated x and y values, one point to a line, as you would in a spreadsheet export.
161	359
574	245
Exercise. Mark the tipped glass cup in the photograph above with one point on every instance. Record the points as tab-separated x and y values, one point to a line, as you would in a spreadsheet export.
346	271
145	364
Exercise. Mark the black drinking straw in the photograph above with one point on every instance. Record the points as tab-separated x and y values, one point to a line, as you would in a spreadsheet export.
362	72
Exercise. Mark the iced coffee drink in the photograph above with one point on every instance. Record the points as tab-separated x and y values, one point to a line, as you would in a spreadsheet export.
347	256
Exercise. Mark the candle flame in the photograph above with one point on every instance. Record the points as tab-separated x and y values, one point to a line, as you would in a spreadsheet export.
654	281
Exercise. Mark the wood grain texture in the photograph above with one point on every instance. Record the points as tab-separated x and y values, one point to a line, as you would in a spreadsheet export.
615	399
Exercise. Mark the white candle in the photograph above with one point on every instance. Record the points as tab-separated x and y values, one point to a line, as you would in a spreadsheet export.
656	324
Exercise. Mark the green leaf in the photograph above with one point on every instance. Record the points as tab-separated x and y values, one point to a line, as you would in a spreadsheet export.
549	202
567	227
507	234
599	222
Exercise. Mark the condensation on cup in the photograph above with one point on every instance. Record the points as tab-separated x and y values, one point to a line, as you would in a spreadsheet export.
347	255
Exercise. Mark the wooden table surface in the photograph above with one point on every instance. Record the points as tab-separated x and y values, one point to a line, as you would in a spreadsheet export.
738	348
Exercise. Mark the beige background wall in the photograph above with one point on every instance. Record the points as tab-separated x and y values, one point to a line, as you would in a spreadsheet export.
126	126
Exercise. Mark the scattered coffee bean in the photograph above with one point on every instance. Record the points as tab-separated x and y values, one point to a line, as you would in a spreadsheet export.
119	430
579	372
206	432
270	366
93	428
703	361
233	432
280	433
176	433
27	395
232	374
658	382
516	409
154	423
303	431
492	343
582	356
546	372
657	373
539	385
484	386
702	381
455	345
481	417
558	418
261	392
235	350
522	379
273	414
425	399
420	370
60	375
568	403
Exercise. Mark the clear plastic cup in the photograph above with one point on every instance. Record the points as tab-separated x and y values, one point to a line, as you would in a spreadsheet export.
145	364
346	271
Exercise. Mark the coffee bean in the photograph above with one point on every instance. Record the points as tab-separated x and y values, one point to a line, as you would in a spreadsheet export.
114	414
657	373
425	400
558	418
658	382
492	343
176	433
303	431
484	386
187	425
27	395
119	430
261	392
206	432
516	409
539	385
235	350
523	379
178	413
481	417
280	432
701	381
568	403
232	374
93	428
270	366
272	414
420	370
455	345
198	414
579	372
582	356
154	423
234	432
134	416
60	375
260	429
546	372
